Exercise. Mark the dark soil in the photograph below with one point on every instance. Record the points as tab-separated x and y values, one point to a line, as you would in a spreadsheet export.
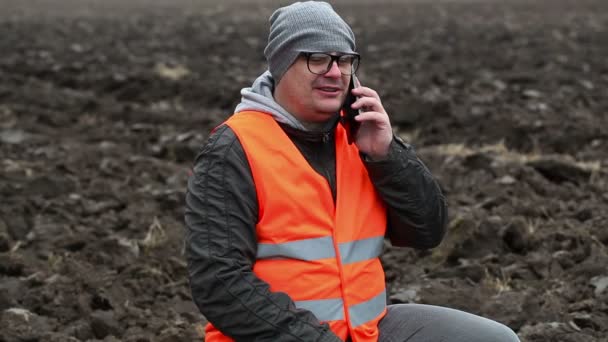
104	105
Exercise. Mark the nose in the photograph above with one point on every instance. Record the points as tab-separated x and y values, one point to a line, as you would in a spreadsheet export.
334	71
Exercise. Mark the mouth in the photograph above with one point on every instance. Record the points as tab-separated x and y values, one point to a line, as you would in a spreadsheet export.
329	90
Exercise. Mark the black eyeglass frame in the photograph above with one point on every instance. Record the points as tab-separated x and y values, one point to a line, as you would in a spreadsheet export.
334	58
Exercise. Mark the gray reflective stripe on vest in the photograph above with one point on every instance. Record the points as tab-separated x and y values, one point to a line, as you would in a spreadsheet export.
366	311
307	249
324	309
331	309
322	248
360	250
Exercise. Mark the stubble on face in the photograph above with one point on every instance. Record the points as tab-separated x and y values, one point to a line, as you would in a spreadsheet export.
327	93
302	94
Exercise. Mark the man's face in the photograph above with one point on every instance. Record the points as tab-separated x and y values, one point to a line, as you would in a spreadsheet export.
310	97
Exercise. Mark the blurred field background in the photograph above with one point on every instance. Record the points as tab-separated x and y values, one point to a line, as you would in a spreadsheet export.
104	105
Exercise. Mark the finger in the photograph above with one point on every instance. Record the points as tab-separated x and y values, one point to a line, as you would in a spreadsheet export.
365	91
368	104
377	118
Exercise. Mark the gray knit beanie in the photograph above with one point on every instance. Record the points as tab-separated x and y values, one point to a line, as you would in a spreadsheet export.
305	26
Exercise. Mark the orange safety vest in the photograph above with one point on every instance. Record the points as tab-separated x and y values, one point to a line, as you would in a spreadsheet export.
325	256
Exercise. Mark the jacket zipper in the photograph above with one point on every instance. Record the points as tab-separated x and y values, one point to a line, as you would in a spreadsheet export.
325	137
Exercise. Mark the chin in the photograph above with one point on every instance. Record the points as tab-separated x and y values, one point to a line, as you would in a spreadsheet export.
329	107
327	113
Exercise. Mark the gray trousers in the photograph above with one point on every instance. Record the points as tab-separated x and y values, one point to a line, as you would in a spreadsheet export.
428	323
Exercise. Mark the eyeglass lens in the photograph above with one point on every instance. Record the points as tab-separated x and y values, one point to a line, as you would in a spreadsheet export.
320	63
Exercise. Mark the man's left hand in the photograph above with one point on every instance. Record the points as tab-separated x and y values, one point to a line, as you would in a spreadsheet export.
375	133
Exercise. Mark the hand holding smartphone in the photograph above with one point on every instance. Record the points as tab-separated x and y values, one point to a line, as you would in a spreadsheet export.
372	132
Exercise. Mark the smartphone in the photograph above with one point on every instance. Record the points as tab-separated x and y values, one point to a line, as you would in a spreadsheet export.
348	118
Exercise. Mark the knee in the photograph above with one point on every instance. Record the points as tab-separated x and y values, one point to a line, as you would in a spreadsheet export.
490	330
505	334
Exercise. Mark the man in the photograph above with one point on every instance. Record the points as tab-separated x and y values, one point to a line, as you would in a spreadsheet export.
286	220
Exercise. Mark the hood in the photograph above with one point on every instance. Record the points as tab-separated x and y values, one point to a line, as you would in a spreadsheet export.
259	97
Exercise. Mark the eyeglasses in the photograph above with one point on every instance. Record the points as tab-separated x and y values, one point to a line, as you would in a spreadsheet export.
319	63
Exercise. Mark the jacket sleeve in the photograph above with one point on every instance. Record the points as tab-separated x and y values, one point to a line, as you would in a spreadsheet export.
221	214
416	207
